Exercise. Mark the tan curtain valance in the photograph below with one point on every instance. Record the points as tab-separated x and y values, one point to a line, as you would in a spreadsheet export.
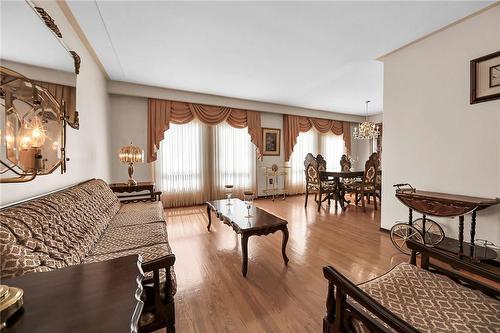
68	94
162	112
293	125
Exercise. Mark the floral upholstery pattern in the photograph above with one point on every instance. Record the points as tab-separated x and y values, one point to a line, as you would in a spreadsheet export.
81	224
431	302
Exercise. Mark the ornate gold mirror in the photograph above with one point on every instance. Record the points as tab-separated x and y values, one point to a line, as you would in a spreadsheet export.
37	93
33	132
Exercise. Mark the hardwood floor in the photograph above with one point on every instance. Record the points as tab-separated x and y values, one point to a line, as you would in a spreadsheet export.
213	296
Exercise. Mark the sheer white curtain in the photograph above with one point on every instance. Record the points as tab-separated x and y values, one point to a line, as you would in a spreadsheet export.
195	162
307	142
332	148
234	160
181	171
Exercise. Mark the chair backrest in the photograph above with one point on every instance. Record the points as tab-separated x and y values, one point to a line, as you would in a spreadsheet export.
371	170
312	167
345	163
375	157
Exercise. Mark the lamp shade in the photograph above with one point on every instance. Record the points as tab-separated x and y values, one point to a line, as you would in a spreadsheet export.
131	154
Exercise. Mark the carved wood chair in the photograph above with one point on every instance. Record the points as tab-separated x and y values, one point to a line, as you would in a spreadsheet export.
367	186
345	163
314	184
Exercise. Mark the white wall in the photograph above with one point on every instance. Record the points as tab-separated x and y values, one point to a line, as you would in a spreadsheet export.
433	138
88	148
128	124
270	120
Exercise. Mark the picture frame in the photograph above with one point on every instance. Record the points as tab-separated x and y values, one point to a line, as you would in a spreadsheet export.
485	78
271	141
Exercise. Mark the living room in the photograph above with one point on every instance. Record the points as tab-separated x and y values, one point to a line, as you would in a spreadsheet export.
146	143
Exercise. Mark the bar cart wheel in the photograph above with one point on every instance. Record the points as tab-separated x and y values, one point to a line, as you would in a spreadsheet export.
433	233
401	232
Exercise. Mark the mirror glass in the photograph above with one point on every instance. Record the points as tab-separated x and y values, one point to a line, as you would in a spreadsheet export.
38	83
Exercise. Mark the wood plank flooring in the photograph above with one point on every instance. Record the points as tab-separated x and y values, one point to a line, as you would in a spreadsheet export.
213	296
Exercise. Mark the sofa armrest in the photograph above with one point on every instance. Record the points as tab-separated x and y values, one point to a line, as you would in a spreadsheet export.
163	262
340	311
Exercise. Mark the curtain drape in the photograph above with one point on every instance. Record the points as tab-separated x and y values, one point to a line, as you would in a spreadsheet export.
195	162
233	161
163	112
332	148
307	142
293	125
182	170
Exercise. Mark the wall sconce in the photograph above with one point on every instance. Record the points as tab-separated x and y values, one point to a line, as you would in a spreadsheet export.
131	154
32	132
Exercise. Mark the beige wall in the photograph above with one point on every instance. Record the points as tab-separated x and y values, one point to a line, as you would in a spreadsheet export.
88	148
128	124
433	138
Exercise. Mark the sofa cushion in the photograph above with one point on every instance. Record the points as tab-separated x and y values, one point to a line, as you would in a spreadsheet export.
138	213
130	237
431	302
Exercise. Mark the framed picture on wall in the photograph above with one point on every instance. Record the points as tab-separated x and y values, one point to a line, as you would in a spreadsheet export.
271	138
485	78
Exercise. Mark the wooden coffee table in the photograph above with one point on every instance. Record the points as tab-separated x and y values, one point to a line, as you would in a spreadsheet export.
260	223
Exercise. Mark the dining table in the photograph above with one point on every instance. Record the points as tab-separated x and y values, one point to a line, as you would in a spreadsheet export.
340	189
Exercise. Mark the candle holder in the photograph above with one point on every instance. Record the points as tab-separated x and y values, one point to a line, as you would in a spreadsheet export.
248	197
229	194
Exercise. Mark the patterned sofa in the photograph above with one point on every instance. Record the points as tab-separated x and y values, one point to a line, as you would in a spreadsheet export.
411	299
87	223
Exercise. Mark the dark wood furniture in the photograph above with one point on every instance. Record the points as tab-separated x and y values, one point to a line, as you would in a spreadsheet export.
140	187
368	185
97	297
448	205
345	163
313	166
341	311
259	223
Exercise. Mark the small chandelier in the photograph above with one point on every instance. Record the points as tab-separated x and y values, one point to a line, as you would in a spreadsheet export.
366	129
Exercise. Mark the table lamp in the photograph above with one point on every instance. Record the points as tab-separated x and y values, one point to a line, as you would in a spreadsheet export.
131	154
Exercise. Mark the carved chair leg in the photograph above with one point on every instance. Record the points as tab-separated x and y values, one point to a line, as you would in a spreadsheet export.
374	201
363	201
319	201
307	196
368	198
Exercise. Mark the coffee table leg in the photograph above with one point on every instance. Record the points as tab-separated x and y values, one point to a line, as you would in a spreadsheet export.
244	249
209	217
283	244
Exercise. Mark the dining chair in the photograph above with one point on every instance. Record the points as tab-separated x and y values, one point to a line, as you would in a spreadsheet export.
314	184
367	187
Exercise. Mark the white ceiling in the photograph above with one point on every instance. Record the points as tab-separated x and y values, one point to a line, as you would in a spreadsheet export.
318	55
30	42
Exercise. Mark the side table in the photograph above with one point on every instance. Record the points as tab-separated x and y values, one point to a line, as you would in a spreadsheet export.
97	297
140	187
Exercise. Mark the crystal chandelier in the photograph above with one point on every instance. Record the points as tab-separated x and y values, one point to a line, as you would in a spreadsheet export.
367	129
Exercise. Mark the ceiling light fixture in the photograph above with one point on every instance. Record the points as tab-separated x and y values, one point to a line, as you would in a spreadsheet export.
367	129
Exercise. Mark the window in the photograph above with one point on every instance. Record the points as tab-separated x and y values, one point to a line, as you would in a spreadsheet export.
332	148
195	162
307	142
234	159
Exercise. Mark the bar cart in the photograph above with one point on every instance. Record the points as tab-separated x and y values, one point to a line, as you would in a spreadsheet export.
429	232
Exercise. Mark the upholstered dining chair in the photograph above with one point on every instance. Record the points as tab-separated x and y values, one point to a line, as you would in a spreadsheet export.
312	167
345	163
367	187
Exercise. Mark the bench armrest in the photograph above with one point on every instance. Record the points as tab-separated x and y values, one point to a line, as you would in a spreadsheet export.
340	312
460	264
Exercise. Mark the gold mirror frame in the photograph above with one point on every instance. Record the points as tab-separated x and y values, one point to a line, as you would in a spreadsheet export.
13	83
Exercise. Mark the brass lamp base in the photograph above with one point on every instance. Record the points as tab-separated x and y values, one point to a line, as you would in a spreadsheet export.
131	181
11	300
